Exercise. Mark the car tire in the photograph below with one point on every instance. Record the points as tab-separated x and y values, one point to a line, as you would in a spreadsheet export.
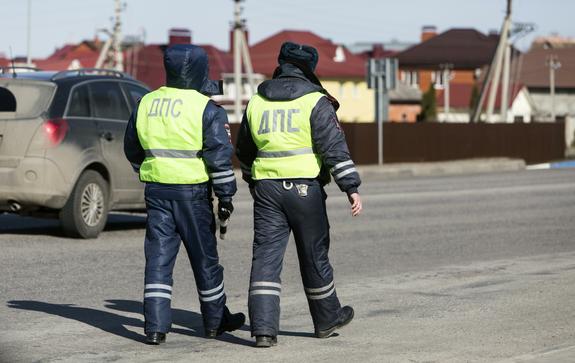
85	213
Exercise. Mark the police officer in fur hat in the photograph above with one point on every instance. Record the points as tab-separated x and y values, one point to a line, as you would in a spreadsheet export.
289	143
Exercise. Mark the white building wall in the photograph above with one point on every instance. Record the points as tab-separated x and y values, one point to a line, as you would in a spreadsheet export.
569	130
522	106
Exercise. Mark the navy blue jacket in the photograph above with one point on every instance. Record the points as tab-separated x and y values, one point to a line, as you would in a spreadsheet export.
328	138
187	68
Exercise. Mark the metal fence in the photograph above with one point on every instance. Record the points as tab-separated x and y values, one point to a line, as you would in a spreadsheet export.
431	141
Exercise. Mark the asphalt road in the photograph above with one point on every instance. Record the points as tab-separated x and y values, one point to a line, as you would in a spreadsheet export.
477	268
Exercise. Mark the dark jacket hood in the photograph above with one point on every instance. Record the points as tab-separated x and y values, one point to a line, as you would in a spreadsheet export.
187	67
289	83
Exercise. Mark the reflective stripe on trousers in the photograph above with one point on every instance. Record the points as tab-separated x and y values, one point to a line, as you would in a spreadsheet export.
276	212
169	223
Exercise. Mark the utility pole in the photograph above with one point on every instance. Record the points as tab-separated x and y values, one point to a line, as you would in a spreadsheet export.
117	42
111	55
494	73
241	52
501	49
505	85
29	36
553	64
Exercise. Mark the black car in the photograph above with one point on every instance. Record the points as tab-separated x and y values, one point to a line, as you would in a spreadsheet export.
61	146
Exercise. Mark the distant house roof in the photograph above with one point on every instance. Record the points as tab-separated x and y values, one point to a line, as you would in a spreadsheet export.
220	62
463	48
86	53
150	63
553	41
393	46
264	55
535	69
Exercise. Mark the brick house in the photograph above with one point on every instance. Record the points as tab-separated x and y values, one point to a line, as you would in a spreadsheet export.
535	74
467	53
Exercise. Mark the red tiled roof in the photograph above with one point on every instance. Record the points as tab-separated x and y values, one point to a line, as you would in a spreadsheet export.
62	52
150	67
463	48
264	55
220	61
85	52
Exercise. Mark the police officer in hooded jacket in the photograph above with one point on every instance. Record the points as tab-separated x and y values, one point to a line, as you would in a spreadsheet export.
289	143
178	141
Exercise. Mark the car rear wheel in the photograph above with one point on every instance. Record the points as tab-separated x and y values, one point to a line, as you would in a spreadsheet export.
86	211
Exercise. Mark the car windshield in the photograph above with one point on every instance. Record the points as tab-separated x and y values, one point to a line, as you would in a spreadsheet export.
24	98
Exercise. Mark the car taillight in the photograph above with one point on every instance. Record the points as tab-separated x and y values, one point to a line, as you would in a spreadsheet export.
56	130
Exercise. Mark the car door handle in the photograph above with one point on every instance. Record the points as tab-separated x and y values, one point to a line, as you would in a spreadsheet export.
107	136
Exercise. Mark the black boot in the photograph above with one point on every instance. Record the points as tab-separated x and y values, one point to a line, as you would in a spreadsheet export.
265	341
230	322
345	316
155	338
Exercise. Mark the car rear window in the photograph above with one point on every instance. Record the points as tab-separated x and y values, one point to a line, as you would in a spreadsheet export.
109	101
135	93
24	98
80	102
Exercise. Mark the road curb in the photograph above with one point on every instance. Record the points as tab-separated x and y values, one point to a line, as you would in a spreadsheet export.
557	165
468	166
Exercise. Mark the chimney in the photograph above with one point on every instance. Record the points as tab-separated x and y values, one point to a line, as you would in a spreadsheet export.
428	32
246	32
180	36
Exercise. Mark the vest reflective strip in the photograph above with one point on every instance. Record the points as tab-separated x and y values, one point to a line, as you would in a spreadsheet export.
281	154
170	153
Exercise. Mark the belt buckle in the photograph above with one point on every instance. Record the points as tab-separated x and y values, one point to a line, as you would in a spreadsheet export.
302	189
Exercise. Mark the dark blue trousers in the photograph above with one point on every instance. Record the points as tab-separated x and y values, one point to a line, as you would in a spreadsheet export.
278	210
181	213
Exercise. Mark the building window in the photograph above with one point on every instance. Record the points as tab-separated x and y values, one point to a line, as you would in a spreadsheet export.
355	90
438	78
410	78
341	90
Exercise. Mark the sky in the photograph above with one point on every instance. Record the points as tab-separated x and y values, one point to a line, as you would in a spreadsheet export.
57	22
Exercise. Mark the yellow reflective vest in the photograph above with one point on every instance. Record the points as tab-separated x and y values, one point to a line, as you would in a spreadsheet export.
169	125
281	131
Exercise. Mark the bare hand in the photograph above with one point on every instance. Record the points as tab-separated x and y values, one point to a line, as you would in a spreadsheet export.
355	201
